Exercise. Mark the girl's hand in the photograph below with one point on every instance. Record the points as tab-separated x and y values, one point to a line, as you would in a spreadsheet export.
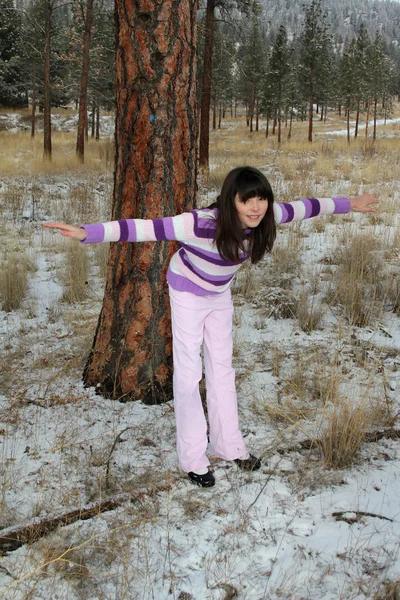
363	203
77	233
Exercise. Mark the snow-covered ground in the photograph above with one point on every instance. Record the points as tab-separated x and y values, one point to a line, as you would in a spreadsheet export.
272	534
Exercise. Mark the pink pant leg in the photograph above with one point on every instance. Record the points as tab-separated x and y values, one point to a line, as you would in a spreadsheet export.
225	437
208	319
187	336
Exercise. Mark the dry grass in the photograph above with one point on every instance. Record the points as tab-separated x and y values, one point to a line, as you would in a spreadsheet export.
359	284
14	275
343	432
309	312
75	273
20	153
391	591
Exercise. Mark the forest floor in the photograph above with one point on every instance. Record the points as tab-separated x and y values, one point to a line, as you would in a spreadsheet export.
93	485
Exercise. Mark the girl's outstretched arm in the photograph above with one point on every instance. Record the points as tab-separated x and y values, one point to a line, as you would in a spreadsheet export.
183	228
77	233
285	212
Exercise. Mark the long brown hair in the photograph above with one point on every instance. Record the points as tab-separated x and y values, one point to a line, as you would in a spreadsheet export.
246	183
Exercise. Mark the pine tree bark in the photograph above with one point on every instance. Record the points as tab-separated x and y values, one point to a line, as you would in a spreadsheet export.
82	119
46	83
155	176
206	87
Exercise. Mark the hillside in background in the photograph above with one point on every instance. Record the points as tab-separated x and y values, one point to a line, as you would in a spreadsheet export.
344	17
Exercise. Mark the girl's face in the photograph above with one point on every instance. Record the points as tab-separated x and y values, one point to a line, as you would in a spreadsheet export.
252	211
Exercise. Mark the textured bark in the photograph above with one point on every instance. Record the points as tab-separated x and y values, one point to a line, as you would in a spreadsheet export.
206	86
82	120
46	84
155	176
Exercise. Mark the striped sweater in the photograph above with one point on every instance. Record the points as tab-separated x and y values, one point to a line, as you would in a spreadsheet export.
197	267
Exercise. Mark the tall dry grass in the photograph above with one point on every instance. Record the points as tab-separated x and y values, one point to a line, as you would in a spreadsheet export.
14	279
19	153
75	273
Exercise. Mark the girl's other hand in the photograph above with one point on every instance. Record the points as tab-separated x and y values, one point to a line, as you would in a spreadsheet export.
77	233
363	203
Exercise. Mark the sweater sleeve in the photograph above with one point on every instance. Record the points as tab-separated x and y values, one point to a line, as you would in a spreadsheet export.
285	212
180	228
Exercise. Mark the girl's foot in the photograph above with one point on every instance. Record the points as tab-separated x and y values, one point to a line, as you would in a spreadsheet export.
251	463
202	480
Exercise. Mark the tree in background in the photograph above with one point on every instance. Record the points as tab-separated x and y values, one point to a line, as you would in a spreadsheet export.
361	51
155	175
278	76
314	44
253	68
102	70
379	76
225	7
13	90
222	73
347	82
86	10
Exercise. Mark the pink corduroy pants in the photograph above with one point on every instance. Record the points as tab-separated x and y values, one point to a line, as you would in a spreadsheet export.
207	321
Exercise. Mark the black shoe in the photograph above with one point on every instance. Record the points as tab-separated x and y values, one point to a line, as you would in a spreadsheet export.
206	480
248	464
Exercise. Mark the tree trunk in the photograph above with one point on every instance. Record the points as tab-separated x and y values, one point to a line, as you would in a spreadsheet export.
33	116
220	116
375	113
279	114
82	120
357	119
310	117
367	119
98	122
155	176
290	125
348	126
251	107
267	127
214	119
46	84
206	86
257	115
93	123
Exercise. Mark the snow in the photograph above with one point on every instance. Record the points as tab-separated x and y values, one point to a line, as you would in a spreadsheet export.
270	534
361	127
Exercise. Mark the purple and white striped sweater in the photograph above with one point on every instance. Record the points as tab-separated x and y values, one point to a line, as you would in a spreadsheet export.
197	267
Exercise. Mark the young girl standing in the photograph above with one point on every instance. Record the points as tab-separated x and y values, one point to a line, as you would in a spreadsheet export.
215	242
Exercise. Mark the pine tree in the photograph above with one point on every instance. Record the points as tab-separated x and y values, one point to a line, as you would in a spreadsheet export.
225	7
379	76
13	92
360	74
155	176
278	75
347	82
253	69
222	74
315	41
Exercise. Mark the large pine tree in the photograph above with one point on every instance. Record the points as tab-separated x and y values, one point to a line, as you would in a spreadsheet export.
155	176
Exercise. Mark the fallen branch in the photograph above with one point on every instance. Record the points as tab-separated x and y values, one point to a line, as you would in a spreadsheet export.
341	516
15	537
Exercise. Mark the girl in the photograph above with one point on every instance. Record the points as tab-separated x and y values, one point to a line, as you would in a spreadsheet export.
215	242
